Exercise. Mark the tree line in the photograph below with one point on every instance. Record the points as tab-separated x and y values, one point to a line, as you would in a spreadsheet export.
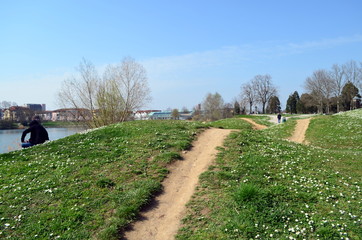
112	95
329	91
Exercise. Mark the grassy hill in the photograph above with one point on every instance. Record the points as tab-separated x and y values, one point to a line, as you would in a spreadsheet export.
88	185
91	185
264	187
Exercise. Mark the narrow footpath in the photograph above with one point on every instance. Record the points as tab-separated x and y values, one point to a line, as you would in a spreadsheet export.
256	126
299	131
162	221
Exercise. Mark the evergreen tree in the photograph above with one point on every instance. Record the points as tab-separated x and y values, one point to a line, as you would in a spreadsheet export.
307	103
274	105
236	108
349	91
292	102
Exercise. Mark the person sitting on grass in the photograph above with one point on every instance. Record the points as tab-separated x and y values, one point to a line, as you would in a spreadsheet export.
38	134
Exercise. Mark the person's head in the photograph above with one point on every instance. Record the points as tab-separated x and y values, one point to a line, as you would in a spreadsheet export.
33	123
37	118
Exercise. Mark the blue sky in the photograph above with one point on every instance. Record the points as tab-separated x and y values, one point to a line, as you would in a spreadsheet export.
189	48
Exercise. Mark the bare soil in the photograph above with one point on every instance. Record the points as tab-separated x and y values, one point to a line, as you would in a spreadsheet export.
256	126
162	220
299	131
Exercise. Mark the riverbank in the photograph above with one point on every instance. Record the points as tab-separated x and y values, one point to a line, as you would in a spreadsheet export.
5	125
10	138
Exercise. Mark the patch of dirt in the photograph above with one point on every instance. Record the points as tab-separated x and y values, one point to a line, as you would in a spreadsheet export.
256	126
299	131
163	219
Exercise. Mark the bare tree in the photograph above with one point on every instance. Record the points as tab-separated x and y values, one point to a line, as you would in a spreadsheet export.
175	114
6	104
339	80
80	92
248	95
320	85
112	98
213	106
353	72
264	89
126	82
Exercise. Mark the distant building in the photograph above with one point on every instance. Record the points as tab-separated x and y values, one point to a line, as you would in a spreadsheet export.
167	115
36	107
160	115
356	102
143	114
70	114
186	115
17	114
46	115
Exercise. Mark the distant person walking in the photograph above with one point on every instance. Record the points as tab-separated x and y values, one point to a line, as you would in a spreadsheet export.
279	117
38	134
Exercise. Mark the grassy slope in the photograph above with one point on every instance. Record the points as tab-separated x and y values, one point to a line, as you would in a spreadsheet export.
92	185
87	185
262	187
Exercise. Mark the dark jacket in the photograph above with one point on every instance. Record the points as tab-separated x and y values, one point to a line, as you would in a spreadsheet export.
38	134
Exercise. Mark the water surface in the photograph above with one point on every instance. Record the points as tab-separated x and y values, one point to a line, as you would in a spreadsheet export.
10	139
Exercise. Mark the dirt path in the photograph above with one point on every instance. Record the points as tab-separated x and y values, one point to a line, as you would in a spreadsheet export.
256	126
299	131
162	221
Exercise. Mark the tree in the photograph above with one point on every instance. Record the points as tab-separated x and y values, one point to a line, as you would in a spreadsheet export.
6	104
122	89
175	114
339	80
248	95
185	110
237	108
307	104
80	92
292	102
349	91
321	86
213	106
264	89
274	105
227	110
197	116
353	72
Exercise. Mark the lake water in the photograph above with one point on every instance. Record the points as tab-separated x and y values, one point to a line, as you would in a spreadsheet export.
10	139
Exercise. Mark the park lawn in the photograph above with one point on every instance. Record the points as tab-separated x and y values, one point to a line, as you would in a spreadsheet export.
339	131
264	187
88	185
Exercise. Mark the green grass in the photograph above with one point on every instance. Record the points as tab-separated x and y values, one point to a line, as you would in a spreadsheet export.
283	130
263	187
231	123
88	185
92	185
341	131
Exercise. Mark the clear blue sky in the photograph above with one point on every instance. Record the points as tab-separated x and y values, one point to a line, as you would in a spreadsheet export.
189	48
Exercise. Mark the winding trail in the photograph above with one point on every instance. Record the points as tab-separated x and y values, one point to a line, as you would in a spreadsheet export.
299	131
162	220
256	126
